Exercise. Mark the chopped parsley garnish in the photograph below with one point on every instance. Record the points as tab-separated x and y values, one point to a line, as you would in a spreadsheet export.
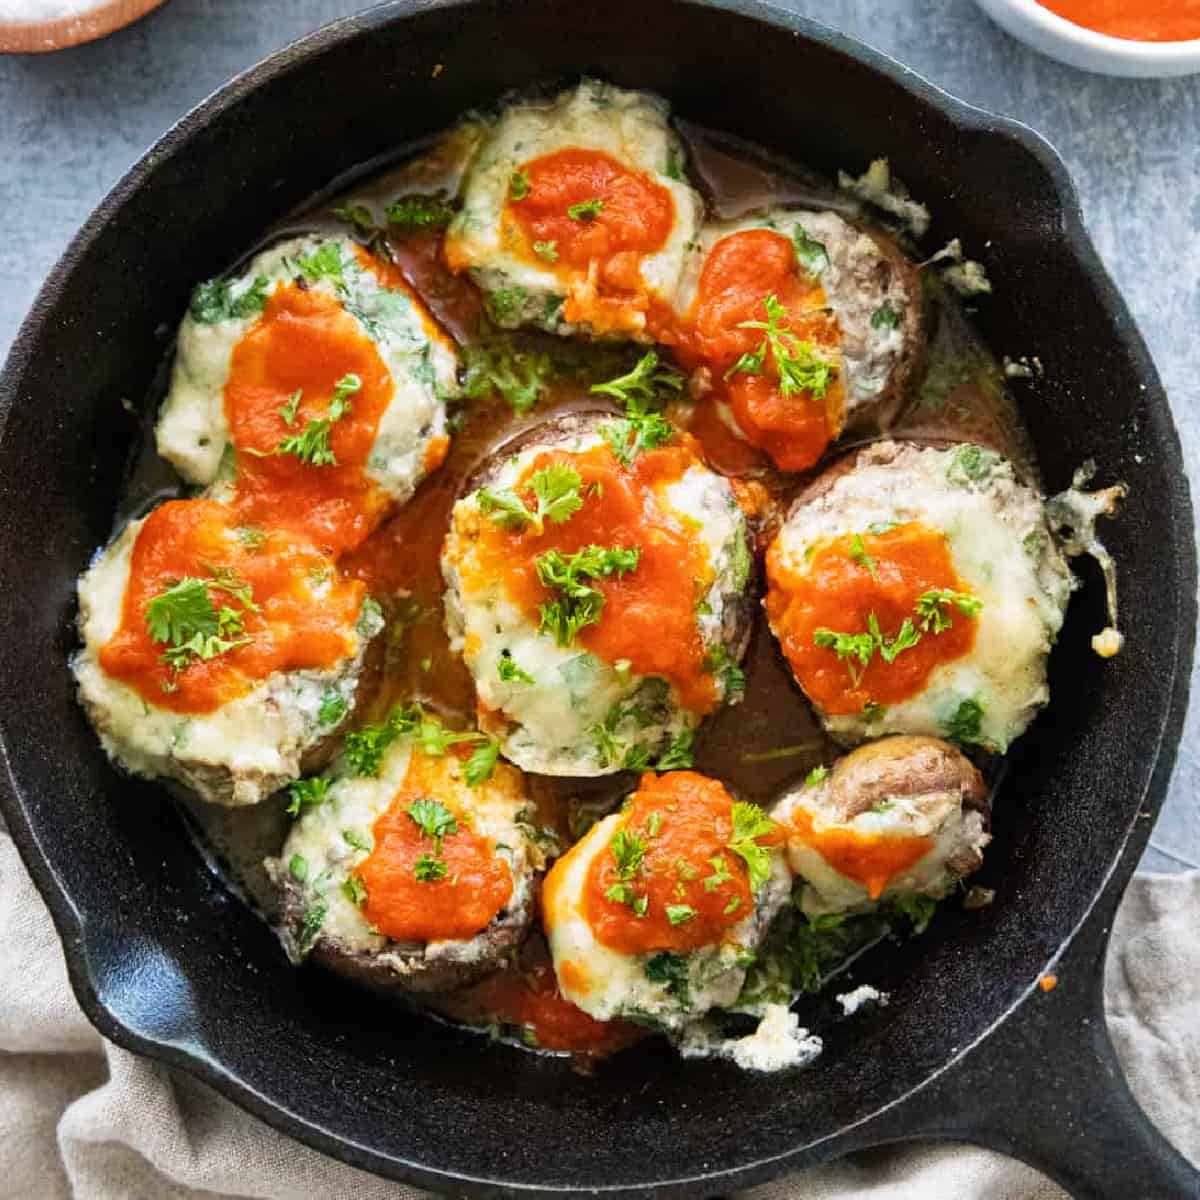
184	618
355	890
482	762
721	873
906	638
641	391
674	168
298	867
585	210
250	536
885	317
965	723
520	377
749	824
505	304
799	368
671	970
859	555
288	411
333	707
629	852
420	212
733	679
310	926
365	747
358	216
507	669
312	445
557	492
810	253
679	914
678	756
733	905
816	775
878	527
578	604
932	608
854	649
644	384
971	464
547	251
873	712
325	262
916	910
307	793
428	869
518	185
214	301
433	819
353	838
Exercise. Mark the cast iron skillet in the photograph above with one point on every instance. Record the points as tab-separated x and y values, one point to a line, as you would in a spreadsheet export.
165	961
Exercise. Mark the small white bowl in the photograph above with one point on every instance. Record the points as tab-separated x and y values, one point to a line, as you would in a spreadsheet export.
1078	47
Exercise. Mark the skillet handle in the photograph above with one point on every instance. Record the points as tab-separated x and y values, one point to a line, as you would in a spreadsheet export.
1046	1087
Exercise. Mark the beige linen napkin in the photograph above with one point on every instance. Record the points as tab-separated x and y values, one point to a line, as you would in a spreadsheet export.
80	1117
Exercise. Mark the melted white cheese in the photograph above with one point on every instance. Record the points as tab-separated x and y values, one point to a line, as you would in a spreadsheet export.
630	127
937	815
607	984
856	282
1001	549
192	432
552	721
353	804
776	1044
236	755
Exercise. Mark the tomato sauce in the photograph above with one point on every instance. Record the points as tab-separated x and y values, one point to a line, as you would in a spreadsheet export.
740	273
839	593
1134	20
290	630
528	997
477	884
685	822
872	859
306	342
599	250
649	614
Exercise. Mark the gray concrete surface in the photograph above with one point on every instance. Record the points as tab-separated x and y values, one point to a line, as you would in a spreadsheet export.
71	123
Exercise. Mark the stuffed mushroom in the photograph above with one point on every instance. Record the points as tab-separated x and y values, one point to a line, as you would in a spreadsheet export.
576	215
313	385
805	327
655	914
597	590
918	590
218	654
405	870
903	816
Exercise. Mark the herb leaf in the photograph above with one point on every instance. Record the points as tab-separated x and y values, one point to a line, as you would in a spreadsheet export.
672	970
585	210
333	707
799	368
518	185
520	377
678	756
965	723
679	914
509	672
932	608
420	212
482	763
429	869
432	818
307	793
214	301
556	489
578	604
749	824
810	253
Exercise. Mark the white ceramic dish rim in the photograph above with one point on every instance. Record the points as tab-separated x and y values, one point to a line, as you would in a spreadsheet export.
1127	50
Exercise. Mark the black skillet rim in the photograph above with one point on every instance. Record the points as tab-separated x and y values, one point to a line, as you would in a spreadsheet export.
778	21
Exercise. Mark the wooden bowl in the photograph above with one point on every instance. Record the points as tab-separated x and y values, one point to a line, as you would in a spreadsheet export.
103	18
